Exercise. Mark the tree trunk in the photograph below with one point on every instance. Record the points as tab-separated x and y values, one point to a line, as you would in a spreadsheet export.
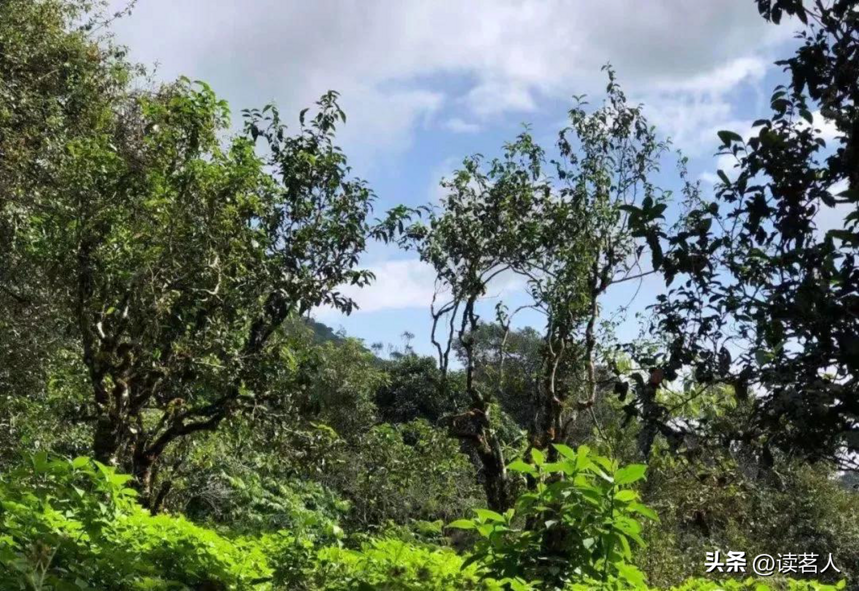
487	447
107	440
143	472
495	483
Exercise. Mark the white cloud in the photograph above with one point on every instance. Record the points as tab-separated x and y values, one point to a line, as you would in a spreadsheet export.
410	283
387	120
696	109
457	125
727	163
709	177
399	284
827	128
385	56
722	78
494	97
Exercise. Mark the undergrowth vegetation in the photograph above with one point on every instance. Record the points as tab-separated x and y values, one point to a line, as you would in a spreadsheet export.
74	524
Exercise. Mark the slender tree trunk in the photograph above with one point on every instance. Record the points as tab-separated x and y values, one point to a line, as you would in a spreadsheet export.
480	433
495	483
106	440
143	471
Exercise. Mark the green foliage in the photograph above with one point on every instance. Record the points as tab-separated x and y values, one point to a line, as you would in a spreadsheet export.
762	298
75	525
516	381
749	584
170	256
401	473
156	276
56	85
393	565
255	504
580	520
414	390
343	383
722	503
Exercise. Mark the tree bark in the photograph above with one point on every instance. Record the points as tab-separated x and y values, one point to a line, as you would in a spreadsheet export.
106	441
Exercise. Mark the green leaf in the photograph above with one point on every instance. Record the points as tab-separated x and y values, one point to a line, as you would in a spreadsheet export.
565	451
520	466
606	463
630	474
80	462
583	459
728	137
644	510
119	479
488	515
762	357
631	575
626	495
538	456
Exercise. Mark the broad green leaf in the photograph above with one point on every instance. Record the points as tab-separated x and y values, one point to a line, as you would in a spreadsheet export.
644	510
80	462
488	515
554	467
728	137
626	495
520	466
631	574
630	474
565	451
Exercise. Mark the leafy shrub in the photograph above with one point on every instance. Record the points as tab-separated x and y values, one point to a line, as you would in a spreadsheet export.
793	508
579	521
75	525
394	565
405	472
749	584
251	503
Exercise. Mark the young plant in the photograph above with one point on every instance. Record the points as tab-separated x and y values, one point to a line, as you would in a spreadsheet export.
578	522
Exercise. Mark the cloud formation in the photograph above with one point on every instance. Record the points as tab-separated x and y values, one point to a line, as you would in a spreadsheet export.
386	56
456	68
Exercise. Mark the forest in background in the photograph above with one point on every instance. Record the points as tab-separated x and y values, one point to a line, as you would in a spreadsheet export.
171	416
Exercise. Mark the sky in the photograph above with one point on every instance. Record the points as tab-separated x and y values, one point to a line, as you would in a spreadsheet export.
425	83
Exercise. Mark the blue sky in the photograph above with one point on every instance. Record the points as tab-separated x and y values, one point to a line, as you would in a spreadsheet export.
425	83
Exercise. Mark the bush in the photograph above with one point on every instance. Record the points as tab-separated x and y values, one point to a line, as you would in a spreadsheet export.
394	565
711	585
400	473
794	508
580	521
75	525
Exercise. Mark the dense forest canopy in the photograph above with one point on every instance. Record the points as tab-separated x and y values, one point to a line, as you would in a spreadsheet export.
172	416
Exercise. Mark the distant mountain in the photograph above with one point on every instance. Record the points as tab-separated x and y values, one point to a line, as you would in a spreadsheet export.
323	332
